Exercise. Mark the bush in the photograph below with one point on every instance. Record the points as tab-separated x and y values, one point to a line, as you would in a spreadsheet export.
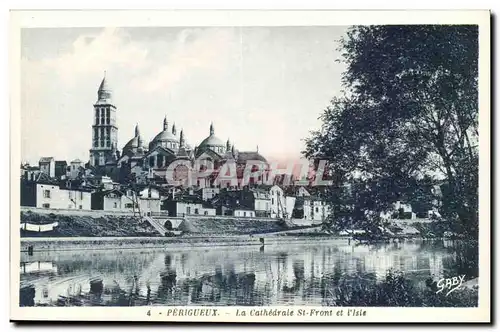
394	291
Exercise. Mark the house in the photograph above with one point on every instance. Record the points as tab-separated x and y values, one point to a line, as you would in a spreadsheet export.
30	173
150	200
188	205
145	201
208	193
61	168
48	166
76	167
114	200
54	196
315	209
229	200
262	202
281	205
404	210
244	213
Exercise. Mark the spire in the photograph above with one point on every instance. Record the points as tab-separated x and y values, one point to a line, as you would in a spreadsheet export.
211	128
228	145
233	150
181	139
165	123
104	92
137	132
174	130
257	149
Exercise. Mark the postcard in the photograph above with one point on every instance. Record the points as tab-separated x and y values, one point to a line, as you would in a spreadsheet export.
250	166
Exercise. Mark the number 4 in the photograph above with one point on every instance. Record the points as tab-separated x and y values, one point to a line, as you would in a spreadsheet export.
149	313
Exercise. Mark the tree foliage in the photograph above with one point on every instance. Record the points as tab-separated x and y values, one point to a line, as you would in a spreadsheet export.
409	111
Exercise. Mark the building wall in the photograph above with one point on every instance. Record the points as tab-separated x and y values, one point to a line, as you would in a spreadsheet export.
53	197
48	168
244	213
209	193
150	193
281	206
149	206
184	208
262	205
74	169
112	203
316	210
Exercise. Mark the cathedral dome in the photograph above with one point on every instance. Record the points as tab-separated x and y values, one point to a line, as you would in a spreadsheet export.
134	144
131	145
165	138
212	142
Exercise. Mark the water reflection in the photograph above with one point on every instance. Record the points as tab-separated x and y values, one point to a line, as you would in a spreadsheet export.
254	276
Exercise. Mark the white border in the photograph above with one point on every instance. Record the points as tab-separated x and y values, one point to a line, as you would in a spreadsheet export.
123	18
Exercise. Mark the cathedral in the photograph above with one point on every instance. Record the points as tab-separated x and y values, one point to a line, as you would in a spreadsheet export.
141	162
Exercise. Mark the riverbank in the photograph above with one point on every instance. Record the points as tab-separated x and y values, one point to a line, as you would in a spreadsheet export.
98	225
91	243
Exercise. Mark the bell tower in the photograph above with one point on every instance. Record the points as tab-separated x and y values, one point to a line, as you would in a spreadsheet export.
104	129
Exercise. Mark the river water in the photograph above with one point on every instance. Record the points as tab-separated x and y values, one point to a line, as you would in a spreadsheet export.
284	274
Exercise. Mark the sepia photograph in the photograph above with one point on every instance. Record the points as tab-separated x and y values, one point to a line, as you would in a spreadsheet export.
251	169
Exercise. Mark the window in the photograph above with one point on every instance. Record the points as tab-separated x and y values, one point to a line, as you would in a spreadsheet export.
81	195
244	214
46	194
46	206
129	205
317	210
80	207
115	205
205	213
195	211
272	200
188	210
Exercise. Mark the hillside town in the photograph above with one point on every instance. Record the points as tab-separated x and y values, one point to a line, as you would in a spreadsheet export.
135	179
168	177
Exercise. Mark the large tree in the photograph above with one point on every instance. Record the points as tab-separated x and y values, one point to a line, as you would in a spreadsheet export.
409	111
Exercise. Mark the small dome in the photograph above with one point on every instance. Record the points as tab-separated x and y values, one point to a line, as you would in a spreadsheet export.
135	143
212	141
165	136
132	145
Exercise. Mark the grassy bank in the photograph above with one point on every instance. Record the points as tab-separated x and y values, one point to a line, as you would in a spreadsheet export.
92	226
230	226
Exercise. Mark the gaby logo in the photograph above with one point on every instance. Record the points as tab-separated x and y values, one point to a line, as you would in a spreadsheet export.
450	284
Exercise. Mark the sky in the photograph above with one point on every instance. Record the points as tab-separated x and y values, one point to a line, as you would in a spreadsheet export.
260	86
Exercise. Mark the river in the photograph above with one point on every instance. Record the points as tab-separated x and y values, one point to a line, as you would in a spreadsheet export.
280	274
